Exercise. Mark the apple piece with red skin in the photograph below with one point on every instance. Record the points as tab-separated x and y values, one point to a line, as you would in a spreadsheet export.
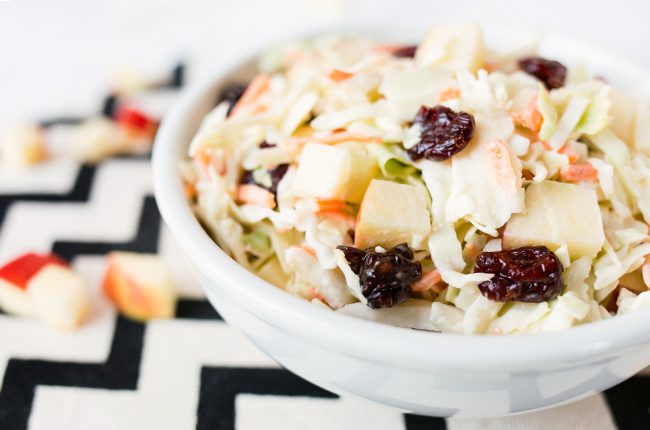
43	286
135	123
139	285
14	278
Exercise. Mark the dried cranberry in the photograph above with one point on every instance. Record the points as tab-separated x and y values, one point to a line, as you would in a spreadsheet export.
264	144
231	94
528	274
276	174
443	133
407	51
385	277
551	73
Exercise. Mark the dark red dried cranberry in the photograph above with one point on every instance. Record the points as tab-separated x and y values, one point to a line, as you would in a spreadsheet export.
443	133
266	144
529	274
551	73
407	51
231	94
385	277
276	175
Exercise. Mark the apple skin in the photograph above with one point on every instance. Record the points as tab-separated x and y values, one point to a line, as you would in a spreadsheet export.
43	286
19	271
14	278
139	285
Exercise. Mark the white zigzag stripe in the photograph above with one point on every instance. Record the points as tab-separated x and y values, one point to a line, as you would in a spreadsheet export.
111	214
295	413
52	177
168	389
591	413
167	395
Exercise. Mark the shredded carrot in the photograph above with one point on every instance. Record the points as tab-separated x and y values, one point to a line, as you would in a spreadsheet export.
500	161
309	250
449	94
546	145
389	49
331	205
208	159
340	75
249	193
531	118
333	138
258	86
316	295
579	173
573	156
429	281
190	190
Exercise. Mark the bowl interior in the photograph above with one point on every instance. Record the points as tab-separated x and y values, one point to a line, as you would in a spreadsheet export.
373	341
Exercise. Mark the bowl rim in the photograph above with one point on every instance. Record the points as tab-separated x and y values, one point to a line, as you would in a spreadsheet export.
360	338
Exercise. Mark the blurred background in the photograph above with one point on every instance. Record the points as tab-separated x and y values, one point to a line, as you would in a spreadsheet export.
56	55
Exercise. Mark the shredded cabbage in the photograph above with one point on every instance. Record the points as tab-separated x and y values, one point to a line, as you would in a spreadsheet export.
288	218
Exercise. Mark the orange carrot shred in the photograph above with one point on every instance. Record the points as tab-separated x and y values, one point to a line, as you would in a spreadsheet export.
249	193
579	173
429	282
531	118
573	156
340	75
258	86
190	191
331	205
449	94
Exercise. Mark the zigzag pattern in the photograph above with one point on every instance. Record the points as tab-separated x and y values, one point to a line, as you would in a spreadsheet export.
79	193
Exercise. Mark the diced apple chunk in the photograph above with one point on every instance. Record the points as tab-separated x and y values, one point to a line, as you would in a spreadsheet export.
43	286
333	172
457	47
22	146
558	214
15	300
59	297
391	214
139	285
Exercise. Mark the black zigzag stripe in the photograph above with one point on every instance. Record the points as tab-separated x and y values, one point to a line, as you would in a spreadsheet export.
419	422
79	193
146	239
220	386
630	403
120	372
196	309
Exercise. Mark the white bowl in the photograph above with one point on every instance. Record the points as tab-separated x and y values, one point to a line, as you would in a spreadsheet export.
415	371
